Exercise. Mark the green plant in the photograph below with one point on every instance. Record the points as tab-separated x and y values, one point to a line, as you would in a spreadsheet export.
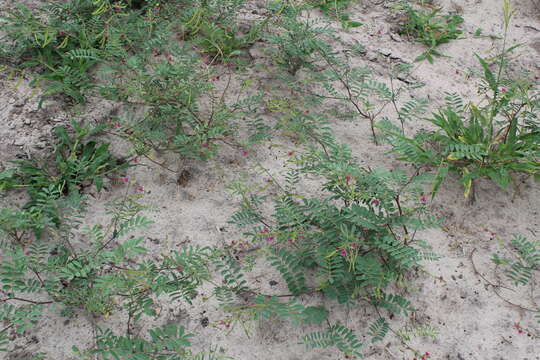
349	245
79	160
297	41
526	261
339	336
214	29
520	268
173	120
430	28
337	10
494	138
99	278
170	342
64	41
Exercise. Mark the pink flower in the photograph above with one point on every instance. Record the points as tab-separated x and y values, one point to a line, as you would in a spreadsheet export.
423	199
140	188
504	89
291	240
207	63
347	179
125	179
269	239
290	153
344	252
265	230
245	153
136	159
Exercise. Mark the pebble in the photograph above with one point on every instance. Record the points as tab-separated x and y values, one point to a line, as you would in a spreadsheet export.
20	141
395	37
385	52
371	56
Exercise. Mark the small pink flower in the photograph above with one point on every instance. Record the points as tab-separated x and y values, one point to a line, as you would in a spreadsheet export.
136	160
140	188
423	199
291	240
268	180
269	239
125	179
245	153
347	179
207	63
265	230
504	89
344	252
290	153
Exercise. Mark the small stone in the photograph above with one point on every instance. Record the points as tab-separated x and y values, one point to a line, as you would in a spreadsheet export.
20	141
204	322
273	283
395	37
371	56
385	52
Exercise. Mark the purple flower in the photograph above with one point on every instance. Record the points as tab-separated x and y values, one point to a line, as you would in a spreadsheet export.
344	252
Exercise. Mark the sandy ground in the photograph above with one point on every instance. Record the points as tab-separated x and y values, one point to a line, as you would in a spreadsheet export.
473	323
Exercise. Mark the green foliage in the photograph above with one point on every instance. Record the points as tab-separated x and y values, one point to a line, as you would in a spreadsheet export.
173	120
360	91
78	160
64	41
527	258
335	336
106	275
297	41
352	243
170	342
521	267
491	139
430	28
213	28
337	9
378	330
408	333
